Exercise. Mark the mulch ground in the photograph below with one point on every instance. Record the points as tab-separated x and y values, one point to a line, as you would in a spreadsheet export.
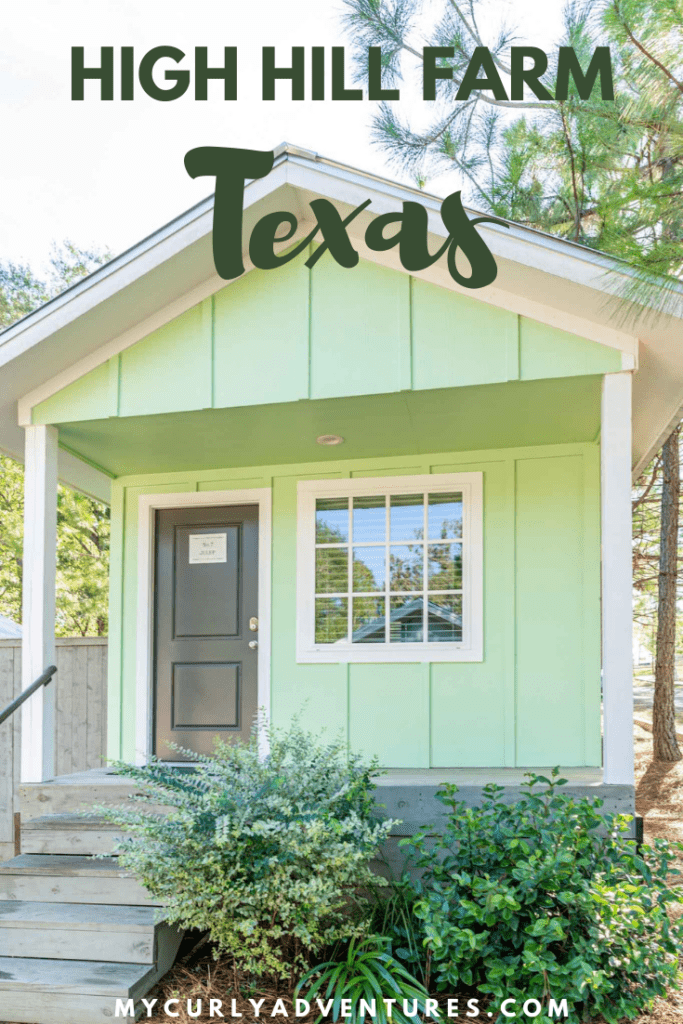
659	801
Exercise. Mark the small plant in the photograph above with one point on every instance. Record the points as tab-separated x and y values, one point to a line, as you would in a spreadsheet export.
393	917
368	973
264	853
532	900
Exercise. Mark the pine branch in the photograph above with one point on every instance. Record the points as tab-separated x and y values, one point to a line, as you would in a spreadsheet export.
649	56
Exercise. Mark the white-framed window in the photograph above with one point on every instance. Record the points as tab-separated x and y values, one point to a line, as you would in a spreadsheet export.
390	569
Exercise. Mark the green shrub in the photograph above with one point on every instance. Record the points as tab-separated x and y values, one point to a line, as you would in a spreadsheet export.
530	900
264	852
369	973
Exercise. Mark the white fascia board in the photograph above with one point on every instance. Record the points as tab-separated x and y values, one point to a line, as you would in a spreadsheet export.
308	171
123	270
516	242
352	191
102	284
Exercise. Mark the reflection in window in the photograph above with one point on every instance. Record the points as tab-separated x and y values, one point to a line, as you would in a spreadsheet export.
444	562
444	517
445	618
369	520
331	620
406	566
332	520
407	516
331	570
369	568
406	623
369	620
389	569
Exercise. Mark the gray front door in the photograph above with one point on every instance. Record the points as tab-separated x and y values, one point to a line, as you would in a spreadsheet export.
205	601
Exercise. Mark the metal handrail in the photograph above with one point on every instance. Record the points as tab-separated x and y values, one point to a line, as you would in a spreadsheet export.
42	680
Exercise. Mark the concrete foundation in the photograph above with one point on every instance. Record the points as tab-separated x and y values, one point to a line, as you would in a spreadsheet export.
410	795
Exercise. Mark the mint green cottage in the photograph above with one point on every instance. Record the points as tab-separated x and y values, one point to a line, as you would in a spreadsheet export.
395	507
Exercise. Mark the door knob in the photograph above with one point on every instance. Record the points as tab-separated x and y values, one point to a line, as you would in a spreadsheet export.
253	644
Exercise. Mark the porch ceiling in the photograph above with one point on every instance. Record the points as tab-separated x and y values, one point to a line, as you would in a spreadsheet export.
513	414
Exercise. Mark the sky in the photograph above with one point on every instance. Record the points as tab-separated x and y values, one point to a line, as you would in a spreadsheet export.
106	174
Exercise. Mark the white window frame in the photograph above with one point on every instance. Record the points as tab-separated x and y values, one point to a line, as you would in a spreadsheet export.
471	646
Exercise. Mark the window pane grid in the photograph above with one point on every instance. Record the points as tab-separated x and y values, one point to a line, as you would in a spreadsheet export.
421	558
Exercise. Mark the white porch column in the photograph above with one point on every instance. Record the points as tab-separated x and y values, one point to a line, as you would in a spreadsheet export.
617	604
38	605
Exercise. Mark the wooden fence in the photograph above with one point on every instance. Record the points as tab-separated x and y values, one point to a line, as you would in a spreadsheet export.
81	717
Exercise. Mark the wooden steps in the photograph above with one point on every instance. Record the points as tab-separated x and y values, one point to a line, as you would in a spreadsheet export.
46	878
90	931
69	834
76	933
36	991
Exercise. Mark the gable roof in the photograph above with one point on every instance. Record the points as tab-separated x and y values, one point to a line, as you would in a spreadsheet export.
412	610
540	276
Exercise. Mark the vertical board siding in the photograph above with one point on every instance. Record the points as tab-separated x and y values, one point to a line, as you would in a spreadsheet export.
261	338
553	651
360	330
90	397
318	694
478	698
325	332
458	340
532	701
389	713
550	352
170	371
80	718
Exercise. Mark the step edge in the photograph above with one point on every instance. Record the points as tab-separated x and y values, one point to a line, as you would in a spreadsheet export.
94	988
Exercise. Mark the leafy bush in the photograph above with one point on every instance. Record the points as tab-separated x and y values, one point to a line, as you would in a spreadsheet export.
369	973
263	852
530	900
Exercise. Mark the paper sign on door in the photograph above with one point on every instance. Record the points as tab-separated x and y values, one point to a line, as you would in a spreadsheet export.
208	547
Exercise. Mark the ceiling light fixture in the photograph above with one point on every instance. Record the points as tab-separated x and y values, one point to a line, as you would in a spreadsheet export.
330	439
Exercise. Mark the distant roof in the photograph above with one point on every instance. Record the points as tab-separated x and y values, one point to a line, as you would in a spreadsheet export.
9	630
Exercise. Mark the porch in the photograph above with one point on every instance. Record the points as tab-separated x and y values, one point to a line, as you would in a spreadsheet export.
542	509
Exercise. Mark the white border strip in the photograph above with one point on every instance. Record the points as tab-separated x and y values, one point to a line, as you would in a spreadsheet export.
144	668
617	600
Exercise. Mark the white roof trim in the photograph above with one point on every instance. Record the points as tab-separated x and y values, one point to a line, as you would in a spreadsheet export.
521	244
544	258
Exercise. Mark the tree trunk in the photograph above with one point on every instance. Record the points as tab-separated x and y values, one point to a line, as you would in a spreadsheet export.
663	710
